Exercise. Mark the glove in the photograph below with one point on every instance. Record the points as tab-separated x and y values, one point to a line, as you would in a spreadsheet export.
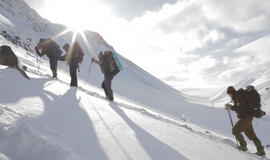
36	48
228	106
37	51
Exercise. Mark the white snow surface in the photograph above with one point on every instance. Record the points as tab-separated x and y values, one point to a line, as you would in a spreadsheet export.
46	119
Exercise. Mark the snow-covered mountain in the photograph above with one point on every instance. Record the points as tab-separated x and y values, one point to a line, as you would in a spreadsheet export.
45	119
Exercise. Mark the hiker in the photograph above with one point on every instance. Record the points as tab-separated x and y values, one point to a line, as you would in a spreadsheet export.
244	124
109	67
73	57
52	51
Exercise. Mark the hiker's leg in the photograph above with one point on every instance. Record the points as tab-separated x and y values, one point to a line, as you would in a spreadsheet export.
104	88
250	133
53	66
73	74
238	128
108	84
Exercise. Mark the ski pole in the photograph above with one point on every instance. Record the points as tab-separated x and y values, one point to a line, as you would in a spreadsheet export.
88	73
38	64
229	113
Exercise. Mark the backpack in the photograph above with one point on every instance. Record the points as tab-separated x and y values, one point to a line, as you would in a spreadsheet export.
109	64
77	53
54	49
117	61
254	100
51	48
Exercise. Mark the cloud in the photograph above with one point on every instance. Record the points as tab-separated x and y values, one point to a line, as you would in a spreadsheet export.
217	29
241	15
172	78
129	9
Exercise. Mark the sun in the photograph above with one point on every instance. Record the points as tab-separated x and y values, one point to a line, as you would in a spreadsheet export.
77	15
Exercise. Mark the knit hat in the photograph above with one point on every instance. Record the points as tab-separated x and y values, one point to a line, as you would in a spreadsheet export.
66	46
231	90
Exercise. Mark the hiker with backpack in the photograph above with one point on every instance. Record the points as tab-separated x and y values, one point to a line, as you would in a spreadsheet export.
73	57
110	66
52	51
242	106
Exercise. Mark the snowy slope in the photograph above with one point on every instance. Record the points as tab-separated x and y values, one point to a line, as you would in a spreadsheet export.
46	119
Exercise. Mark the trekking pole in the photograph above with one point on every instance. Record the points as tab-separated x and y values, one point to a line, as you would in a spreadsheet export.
229	113
38	64
88	73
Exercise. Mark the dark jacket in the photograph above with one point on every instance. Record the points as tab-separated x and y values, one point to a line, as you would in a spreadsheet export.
241	105
104	65
50	48
107	64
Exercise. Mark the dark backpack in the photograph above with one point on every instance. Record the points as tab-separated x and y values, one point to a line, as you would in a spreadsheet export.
254	100
109	65
54	50
78	53
51	48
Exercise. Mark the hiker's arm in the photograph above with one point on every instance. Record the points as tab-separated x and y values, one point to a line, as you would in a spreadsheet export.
96	61
62	58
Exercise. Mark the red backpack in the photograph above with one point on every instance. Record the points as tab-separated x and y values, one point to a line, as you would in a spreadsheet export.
78	52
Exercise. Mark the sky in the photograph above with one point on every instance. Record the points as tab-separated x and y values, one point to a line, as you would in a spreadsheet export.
186	43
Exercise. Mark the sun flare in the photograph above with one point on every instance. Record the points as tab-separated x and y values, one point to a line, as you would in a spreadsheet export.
78	15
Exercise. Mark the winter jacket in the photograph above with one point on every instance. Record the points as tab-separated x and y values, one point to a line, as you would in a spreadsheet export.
241	106
104	64
51	49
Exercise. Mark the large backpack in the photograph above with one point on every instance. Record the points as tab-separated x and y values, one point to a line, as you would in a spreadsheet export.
54	49
254	100
51	48
109	64
78	53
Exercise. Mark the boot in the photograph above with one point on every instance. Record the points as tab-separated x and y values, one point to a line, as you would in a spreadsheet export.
110	95
242	148
241	140
260	153
73	84
54	73
260	148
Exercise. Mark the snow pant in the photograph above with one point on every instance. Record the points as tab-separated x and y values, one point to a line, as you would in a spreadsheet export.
53	66
245	125
107	86
73	74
